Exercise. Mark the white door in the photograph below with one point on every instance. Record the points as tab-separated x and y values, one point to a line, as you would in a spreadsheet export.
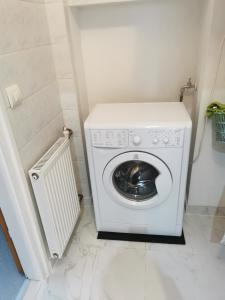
137	180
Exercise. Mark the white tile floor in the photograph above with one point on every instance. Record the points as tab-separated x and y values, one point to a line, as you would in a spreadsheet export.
111	270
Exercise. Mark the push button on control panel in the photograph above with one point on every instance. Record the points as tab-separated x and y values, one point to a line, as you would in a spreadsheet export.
160	137
109	138
155	140
97	138
165	140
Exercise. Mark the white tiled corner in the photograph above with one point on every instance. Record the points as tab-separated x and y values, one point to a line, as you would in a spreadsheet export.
62	59
80	168
77	149
85	189
68	94
82	179
72	121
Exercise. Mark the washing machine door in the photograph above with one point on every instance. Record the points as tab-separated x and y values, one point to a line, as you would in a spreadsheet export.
137	180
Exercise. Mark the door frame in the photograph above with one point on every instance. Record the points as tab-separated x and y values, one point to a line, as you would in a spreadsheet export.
17	205
9	241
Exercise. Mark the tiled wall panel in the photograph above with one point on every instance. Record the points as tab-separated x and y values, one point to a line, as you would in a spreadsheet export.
35	54
26	59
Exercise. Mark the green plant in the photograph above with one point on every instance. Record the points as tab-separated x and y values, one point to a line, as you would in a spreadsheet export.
215	108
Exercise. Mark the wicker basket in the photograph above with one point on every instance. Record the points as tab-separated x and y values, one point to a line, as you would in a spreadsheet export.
219	123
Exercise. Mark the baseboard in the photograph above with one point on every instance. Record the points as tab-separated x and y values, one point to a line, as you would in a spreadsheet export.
205	210
31	290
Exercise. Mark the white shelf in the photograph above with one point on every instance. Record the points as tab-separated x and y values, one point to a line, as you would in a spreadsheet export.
93	2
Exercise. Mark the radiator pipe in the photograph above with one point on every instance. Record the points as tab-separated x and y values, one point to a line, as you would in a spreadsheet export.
80	196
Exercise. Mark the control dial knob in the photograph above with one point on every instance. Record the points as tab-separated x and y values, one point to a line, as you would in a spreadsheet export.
136	140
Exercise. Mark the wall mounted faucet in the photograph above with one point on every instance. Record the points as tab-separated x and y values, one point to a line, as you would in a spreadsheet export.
188	86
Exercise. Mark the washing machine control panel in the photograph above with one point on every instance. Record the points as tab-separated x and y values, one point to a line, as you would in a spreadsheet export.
109	138
138	138
156	137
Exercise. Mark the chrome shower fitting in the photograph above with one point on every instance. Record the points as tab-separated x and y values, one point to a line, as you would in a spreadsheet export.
189	85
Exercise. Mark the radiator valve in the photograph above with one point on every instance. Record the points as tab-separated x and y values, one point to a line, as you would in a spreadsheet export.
67	132
35	176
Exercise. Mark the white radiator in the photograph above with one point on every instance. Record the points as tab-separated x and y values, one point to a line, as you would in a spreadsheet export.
54	186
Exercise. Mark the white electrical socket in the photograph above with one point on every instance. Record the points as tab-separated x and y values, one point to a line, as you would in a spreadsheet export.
14	94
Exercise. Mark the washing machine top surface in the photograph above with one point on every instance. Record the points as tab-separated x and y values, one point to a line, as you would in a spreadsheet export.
125	115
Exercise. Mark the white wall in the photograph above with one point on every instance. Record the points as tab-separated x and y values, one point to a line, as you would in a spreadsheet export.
35	54
26	59
139	51
207	181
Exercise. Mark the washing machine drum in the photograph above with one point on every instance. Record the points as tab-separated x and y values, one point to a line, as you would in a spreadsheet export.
137	179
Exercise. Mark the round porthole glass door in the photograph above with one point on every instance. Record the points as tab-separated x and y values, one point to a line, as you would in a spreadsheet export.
135	180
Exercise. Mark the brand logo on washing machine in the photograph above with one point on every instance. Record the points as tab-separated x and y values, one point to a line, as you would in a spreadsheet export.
136	156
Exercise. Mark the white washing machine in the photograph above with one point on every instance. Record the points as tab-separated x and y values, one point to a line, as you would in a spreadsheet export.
138	161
